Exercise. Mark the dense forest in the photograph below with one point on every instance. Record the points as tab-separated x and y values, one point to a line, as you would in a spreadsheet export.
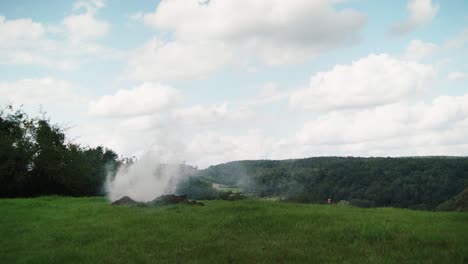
413	182
36	159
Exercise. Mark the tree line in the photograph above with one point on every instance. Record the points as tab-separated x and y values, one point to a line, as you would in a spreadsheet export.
36	159
412	182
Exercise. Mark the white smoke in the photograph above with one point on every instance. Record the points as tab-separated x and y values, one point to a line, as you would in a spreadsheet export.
144	180
156	172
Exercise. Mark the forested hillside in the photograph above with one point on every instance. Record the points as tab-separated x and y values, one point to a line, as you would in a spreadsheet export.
413	182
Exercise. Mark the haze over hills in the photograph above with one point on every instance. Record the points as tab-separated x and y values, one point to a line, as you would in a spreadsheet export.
419	183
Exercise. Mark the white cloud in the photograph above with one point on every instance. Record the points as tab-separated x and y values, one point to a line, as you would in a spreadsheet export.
14	31
457	76
60	99
337	128
32	58
206	114
420	12
85	26
157	60
207	36
398	129
209	148
64	46
34	92
145	99
90	6
263	21
418	50
370	81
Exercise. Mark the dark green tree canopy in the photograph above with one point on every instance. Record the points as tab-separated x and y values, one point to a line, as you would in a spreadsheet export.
36	159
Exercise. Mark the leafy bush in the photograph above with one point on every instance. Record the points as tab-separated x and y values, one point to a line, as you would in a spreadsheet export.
231	196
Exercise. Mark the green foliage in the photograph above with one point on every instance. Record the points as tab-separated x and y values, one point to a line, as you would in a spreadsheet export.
89	230
202	189
231	196
417	183
35	160
197	188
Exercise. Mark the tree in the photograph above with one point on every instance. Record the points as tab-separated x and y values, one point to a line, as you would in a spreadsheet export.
36	160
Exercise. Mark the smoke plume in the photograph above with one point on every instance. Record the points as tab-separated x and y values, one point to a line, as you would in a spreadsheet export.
154	173
144	180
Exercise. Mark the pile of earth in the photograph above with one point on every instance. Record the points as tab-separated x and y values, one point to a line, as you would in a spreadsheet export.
458	203
161	200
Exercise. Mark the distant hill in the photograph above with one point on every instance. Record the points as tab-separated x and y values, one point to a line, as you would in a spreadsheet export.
457	203
407	182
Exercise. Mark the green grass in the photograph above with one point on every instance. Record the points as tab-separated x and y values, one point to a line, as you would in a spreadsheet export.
89	230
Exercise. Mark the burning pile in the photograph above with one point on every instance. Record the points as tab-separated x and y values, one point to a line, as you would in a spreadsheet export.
161	200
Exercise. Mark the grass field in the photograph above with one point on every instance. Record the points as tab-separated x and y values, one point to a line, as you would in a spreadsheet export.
89	230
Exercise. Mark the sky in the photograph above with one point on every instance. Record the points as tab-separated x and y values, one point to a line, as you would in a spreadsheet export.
211	81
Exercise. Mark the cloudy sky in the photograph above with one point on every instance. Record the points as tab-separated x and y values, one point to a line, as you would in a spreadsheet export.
210	81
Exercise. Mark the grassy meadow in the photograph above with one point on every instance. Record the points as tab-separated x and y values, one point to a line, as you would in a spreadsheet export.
89	230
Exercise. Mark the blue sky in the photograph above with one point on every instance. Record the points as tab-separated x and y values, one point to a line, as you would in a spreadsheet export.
223	80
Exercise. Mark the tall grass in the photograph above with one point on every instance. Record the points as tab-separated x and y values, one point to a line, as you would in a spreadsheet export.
89	230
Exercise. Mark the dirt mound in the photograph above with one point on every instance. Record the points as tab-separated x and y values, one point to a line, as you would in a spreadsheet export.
125	201
173	199
457	203
161	200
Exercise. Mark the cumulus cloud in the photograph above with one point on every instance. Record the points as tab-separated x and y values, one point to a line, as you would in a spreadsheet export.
60	99
205	114
64	46
35	92
157	60
457	76
418	50
420	12
14	31
152	118
80	27
431	128
370	81
209	148
85	26
276	32
266	21
140	100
